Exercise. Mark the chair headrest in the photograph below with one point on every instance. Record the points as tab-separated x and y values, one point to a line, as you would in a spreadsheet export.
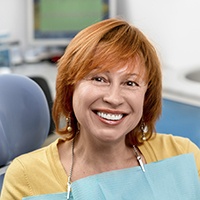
24	116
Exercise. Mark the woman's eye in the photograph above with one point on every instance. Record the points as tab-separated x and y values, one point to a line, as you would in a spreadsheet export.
99	79
132	83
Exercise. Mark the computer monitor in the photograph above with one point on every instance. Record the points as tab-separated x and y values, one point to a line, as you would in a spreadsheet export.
56	22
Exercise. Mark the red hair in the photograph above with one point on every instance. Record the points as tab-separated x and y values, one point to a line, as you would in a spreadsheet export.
108	43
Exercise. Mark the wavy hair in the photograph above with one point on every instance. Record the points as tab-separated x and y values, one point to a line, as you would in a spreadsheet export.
110	43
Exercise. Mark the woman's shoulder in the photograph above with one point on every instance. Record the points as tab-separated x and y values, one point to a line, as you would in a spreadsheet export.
32	170
178	143
163	146
40	153
36	158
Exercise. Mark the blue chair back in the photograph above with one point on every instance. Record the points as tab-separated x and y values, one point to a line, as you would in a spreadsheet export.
24	118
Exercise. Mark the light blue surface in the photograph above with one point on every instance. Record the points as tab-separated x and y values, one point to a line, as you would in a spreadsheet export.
180	119
167	179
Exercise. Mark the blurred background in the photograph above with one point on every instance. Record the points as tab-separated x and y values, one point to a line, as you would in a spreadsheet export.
172	26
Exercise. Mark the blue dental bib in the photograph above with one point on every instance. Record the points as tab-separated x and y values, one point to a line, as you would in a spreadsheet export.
173	178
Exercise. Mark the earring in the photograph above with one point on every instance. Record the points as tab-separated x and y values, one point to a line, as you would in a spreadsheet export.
78	126
69	126
144	130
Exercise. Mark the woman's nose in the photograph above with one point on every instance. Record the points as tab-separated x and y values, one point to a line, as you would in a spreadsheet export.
113	96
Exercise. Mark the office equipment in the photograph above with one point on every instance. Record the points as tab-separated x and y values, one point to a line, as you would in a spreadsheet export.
4	50
57	22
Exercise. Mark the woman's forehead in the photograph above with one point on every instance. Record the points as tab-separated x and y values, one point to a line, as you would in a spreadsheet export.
135	65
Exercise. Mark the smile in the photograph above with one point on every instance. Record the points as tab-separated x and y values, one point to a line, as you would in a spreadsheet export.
110	116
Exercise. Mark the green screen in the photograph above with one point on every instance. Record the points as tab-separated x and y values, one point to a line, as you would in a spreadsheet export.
56	15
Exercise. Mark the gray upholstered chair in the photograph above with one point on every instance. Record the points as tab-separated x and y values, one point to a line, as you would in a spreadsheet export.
24	118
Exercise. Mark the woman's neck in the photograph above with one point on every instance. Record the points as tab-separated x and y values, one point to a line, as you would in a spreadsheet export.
93	158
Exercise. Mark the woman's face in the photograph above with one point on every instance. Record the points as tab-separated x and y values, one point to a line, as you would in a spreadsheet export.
108	105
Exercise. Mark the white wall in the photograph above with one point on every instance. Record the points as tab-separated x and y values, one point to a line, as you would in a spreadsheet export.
172	25
13	19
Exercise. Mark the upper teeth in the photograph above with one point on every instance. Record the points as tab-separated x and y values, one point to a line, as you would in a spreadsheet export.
110	116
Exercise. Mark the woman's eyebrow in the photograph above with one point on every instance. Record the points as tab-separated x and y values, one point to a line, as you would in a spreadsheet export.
139	76
133	74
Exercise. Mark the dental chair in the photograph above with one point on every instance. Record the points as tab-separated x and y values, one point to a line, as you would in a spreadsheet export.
42	82
24	118
180	119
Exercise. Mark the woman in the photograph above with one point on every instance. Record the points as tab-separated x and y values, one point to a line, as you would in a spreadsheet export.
108	89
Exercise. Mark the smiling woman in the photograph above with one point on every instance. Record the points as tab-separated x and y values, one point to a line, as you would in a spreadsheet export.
109	91
108	45
113	103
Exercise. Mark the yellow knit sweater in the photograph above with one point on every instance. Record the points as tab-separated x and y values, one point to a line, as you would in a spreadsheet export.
41	172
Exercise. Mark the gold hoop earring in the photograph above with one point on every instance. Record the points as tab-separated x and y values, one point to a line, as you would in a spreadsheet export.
69	126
